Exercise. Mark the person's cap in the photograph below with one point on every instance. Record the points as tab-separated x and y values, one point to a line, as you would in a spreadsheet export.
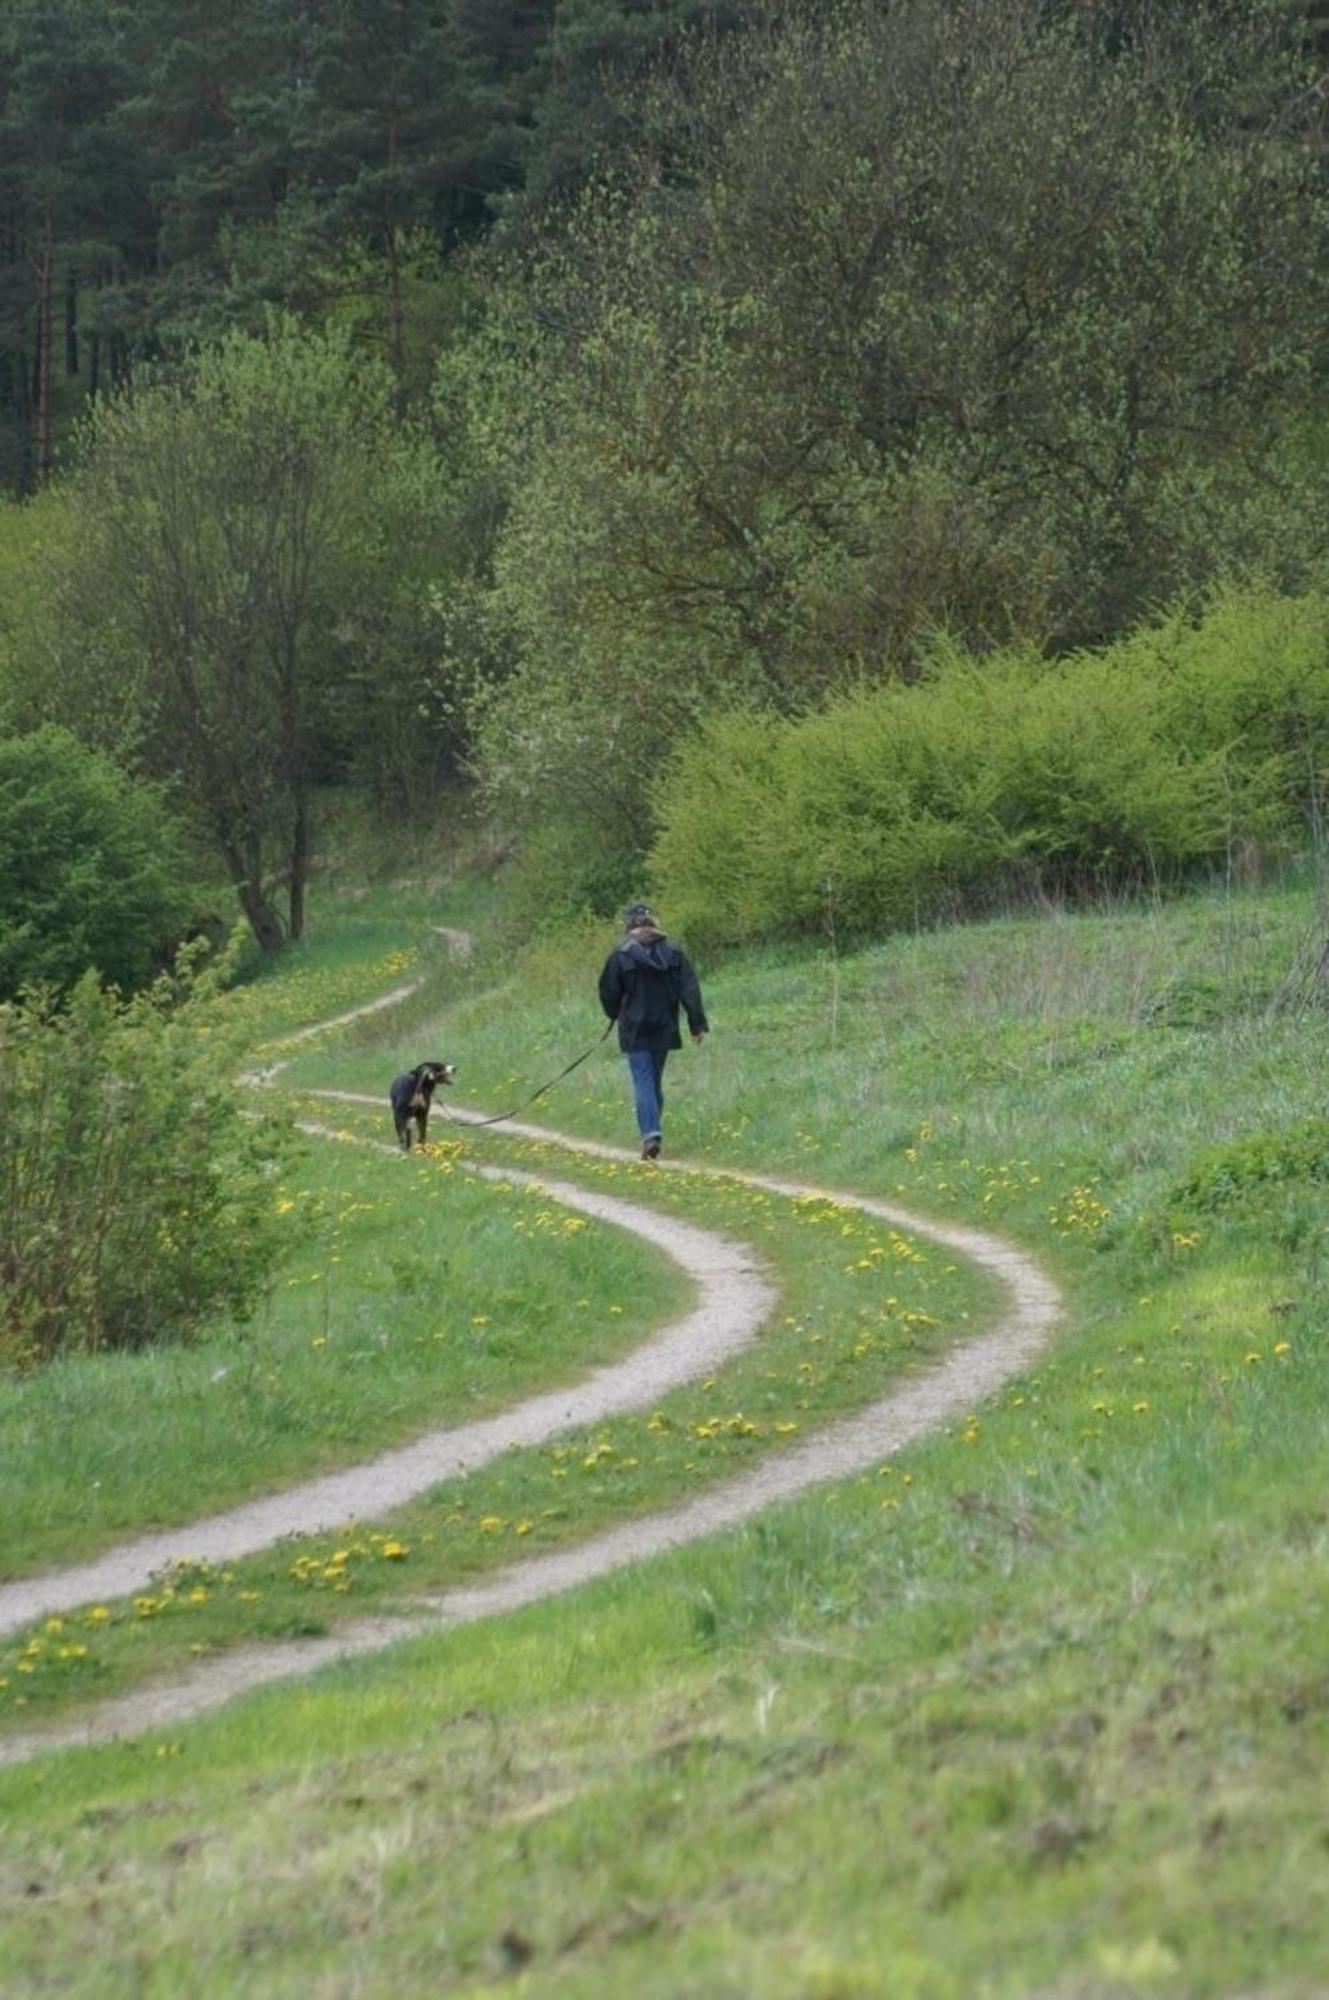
637	914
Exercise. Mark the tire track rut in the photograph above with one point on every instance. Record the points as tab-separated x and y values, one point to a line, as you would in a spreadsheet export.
735	1298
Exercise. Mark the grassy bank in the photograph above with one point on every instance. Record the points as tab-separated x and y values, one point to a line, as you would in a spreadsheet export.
1036	1709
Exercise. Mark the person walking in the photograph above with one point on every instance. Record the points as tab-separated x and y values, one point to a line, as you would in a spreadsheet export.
645	981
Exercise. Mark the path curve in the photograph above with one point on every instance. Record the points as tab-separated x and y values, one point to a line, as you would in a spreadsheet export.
735	1299
944	1389
258	1079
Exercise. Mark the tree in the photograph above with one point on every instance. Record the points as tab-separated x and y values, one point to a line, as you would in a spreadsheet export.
550	93
375	145
901	318
92	868
169	171
66	209
227	522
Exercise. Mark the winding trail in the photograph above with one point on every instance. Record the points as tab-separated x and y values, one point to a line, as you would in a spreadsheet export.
257	1078
735	1297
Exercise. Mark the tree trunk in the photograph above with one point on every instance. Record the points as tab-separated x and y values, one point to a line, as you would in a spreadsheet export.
263	920
71	325
42	383
396	343
26	480
246	872
299	868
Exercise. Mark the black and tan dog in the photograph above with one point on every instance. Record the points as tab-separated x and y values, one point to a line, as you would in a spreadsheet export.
411	1096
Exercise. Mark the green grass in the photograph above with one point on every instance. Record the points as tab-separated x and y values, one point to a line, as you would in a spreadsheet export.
413	1296
862	1305
1040	1710
1003	1740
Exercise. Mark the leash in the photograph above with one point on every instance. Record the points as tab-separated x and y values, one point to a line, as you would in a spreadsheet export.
500	1117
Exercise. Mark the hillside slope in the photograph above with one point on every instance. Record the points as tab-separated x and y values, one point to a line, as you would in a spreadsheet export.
1036	1708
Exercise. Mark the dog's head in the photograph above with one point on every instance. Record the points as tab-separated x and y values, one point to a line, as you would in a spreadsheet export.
438	1072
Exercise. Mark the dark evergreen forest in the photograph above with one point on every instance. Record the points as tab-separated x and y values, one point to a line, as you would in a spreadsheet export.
168	167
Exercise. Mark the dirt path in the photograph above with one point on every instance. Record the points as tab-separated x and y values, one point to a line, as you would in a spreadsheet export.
257	1079
462	942
727	1316
735	1297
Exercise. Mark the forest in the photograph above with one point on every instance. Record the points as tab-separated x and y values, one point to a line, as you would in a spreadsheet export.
432	408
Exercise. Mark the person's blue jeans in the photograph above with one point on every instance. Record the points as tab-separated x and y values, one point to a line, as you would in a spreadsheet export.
646	1067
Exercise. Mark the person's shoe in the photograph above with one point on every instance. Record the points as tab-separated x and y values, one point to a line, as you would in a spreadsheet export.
650	1148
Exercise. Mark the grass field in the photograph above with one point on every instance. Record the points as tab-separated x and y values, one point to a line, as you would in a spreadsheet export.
1039	1708
412	1296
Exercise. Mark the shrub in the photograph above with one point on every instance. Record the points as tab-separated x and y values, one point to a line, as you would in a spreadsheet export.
1296	1154
562	871
907	801
91	866
135	1196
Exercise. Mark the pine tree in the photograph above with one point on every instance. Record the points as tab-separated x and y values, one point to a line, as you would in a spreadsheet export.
66	210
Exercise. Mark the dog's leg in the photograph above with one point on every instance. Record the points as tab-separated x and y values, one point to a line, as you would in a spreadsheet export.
422	1124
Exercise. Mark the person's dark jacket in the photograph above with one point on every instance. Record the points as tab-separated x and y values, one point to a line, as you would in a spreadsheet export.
645	981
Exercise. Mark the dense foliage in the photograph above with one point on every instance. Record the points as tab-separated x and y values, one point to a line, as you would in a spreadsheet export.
167	169
135	1197
1191	742
911	319
92	869
1258	1160
241	598
506	393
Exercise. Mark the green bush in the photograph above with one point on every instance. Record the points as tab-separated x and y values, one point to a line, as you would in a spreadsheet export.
564	869
1297	1154
91	866
135	1194
1100	770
